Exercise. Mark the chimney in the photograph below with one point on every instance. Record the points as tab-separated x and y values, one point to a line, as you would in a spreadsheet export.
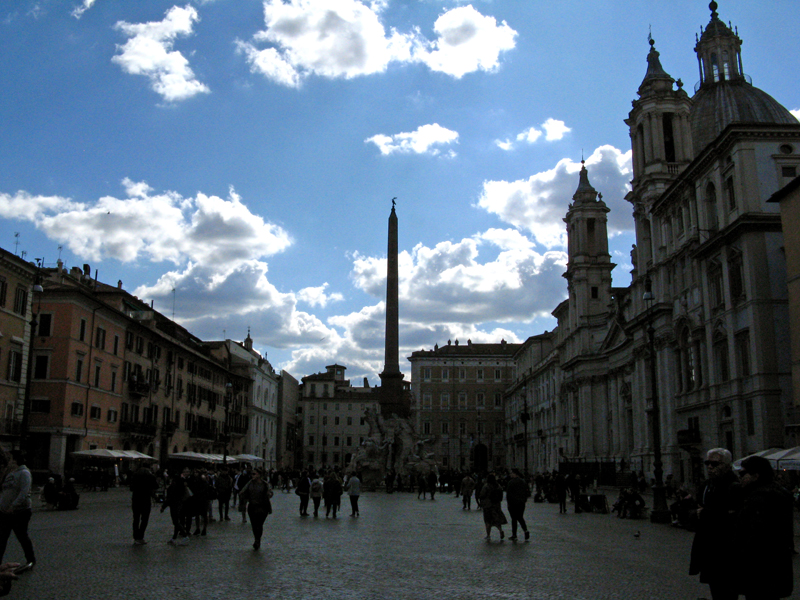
119	284
87	270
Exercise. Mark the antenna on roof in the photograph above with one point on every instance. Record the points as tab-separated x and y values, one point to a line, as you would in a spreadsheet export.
173	304
16	242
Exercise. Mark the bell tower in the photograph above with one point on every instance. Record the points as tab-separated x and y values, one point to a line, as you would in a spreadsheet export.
589	267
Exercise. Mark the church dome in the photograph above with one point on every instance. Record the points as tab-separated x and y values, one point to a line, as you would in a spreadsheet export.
724	93
736	101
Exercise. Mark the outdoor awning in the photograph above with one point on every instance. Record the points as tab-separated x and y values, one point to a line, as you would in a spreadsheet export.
104	453
247	458
779	458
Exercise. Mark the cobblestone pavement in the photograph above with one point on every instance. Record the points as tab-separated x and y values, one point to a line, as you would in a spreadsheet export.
400	547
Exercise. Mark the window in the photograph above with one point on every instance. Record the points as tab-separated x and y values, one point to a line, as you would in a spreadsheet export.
311	440
82	331
45	325
480	399
790	172
3	290
711	207
498	400
123	415
480	374
100	338
462	428
95	412
97	376
730	193
116	344
498	427
324	440
445	374
336	420
324	420
426	400
349	441
462	374
139	345
736	276
79	369
750	417
40	406
129	340
721	357
481	427
445	400
426	428
462	400
717	298
77	409
336	440
311	458
349	420
445	428
426	374
310	419
40	366
498	374
21	301
113	415
743	353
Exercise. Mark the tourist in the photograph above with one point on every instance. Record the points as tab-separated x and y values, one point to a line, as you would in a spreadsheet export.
432	483
224	485
764	534
50	494
302	489
421	485
143	487
175	498
491	502
467	487
241	481
560	487
714	548
354	488
15	505
315	492
332	492
517	494
256	497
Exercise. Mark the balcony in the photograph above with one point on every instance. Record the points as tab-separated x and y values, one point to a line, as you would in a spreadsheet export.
689	437
141	430
138	388
203	433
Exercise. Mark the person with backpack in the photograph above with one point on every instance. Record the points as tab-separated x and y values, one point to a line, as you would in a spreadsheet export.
315	492
517	494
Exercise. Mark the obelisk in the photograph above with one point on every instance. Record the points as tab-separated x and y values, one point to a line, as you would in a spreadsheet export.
392	397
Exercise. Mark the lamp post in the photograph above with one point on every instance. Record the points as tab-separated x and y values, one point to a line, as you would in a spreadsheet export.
228	394
26	403
525	418
660	512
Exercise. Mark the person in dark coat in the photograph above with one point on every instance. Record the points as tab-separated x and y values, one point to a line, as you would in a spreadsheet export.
303	489
224	485
764	534
256	497
143	488
492	505
332	493
517	494
713	550
561	492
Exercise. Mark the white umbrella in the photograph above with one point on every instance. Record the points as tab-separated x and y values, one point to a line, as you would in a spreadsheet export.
105	453
246	457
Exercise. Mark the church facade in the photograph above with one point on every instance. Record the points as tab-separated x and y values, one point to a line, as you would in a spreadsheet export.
707	304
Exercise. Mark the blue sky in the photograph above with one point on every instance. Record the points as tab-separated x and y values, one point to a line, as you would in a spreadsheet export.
245	154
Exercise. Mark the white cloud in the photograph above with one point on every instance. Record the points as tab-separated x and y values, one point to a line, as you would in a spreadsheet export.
425	140
159	227
82	8
346	38
538	204
554	129
316	296
529	135
149	52
468	41
796	113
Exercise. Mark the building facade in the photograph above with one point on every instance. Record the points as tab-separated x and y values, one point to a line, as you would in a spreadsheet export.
458	402
17	279
289	446
332	417
709	281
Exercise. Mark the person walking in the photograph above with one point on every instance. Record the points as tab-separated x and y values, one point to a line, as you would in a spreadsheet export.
256	497
467	487
224	488
713	548
241	481
561	493
517	494
764	534
491	504
354	489
15	505
176	496
303	488
143	488
315	492
432	484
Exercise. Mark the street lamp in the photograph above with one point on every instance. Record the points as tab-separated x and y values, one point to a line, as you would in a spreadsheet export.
525	418
228	394
26	403
660	512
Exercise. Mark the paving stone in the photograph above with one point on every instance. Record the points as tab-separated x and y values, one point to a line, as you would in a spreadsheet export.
400	548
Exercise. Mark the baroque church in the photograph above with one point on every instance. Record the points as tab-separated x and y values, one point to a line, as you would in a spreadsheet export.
695	353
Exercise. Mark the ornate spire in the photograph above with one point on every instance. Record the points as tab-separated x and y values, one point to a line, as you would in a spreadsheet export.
585	191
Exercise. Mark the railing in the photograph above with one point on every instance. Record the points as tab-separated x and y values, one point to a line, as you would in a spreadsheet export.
134	428
689	437
203	434
138	388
